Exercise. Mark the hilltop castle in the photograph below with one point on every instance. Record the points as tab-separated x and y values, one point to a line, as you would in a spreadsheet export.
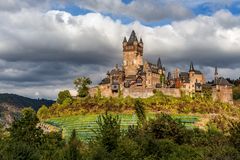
139	78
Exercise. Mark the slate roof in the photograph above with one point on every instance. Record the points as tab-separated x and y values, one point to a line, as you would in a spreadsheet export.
153	68
198	72
184	76
222	82
105	81
132	38
191	67
115	71
159	63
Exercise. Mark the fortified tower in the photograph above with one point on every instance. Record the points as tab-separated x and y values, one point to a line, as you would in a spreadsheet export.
132	54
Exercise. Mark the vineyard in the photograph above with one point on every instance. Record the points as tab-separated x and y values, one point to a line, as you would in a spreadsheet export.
86	124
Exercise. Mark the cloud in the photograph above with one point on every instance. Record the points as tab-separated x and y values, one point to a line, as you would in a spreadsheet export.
147	11
42	52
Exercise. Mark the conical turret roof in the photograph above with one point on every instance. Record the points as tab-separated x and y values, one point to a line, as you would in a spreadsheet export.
132	37
159	63
191	67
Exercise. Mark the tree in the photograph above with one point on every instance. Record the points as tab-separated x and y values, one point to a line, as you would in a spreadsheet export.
24	128
82	86
108	131
62	95
43	112
140	111
165	127
73	147
235	134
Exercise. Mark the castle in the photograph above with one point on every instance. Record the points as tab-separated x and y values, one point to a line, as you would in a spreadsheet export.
139	78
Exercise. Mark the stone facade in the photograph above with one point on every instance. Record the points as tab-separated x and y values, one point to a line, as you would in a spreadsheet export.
138	77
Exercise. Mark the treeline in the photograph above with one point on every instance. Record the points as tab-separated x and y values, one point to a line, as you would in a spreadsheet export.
160	138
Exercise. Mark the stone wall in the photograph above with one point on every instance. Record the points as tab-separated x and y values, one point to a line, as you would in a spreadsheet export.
175	92
137	92
222	94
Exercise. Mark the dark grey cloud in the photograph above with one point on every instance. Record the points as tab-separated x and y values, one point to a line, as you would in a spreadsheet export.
151	10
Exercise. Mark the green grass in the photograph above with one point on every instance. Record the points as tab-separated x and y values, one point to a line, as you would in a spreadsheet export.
86	124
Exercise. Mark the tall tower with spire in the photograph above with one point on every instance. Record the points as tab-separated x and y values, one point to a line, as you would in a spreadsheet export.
132	54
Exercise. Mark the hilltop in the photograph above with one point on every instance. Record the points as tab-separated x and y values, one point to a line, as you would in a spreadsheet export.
11	104
20	101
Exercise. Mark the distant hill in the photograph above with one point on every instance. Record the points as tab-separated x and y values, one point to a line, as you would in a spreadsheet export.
21	102
11	104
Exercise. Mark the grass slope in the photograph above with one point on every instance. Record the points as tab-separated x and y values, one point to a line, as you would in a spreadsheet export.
86	124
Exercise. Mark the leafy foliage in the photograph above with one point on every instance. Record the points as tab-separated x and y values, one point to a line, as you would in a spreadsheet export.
140	111
108	132
82	86
63	95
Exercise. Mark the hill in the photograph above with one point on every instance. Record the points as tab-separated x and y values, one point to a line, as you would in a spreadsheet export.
20	101
11	104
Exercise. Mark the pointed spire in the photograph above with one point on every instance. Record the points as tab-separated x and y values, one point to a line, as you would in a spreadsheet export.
216	71
125	39
159	63
191	67
132	37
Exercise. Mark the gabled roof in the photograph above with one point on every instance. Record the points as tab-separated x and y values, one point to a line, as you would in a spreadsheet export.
222	82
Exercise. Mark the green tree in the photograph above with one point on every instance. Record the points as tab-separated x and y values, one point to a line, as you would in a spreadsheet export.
82	86
140	111
73	152
165	127
25	128
108	132
43	112
235	135
62	95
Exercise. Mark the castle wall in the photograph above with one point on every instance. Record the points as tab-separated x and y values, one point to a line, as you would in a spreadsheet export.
222	94
137	92
105	90
174	92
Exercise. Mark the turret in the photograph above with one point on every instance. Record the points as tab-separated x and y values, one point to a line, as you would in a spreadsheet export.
191	67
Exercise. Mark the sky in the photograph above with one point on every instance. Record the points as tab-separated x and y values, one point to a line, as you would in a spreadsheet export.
45	45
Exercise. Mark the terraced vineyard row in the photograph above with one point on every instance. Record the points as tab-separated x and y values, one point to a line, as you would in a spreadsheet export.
86	124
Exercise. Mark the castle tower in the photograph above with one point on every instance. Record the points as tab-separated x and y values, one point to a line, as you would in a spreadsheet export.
215	74
191	70
132	54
